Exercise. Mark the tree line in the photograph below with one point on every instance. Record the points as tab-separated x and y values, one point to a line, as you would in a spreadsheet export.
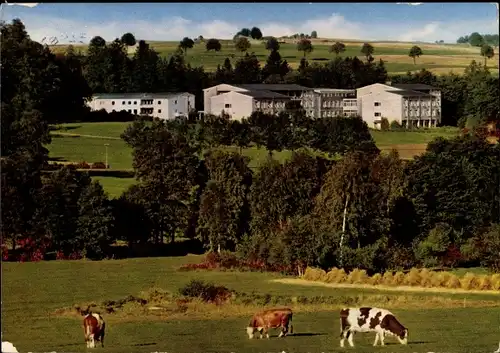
336	202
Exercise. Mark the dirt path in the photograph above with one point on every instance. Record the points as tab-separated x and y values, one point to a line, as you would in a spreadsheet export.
303	282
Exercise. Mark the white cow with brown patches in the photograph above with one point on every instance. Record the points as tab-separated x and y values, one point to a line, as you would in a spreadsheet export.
93	327
380	321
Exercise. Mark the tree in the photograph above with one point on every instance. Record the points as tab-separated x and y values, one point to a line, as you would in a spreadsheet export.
186	43
487	52
272	44
242	44
245	32
367	50
145	69
256	33
223	206
314	34
305	46
337	48
247	69
415	52
128	39
476	40
275	65
213	44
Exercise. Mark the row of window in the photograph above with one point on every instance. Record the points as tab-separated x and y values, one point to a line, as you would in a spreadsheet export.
143	102
143	111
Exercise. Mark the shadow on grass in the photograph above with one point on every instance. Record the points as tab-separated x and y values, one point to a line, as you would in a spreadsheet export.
66	128
306	334
144	344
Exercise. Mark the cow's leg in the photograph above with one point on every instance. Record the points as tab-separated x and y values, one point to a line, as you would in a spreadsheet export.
382	339
376	339
343	336
102	340
284	330
92	341
261	331
350	337
266	330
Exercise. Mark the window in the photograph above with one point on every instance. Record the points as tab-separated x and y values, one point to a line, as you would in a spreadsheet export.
112	102
159	110
175	102
129	102
377	104
159	102
227	106
130	110
135	111
123	103
135	102
377	114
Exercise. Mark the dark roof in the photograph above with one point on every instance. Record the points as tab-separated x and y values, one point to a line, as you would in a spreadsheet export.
264	95
274	87
413	86
137	95
408	93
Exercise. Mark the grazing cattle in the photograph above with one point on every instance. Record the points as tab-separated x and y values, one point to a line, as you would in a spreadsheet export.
273	318
498	350
380	321
93	327
8	347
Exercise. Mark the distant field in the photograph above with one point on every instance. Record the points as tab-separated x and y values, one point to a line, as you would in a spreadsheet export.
32	292
437	58
77	142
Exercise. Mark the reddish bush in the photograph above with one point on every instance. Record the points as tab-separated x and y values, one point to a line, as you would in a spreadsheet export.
73	256
82	165
5	253
99	165
31	249
452	257
230	261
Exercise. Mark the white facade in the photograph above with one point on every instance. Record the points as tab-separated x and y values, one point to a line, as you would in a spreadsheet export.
409	107
159	105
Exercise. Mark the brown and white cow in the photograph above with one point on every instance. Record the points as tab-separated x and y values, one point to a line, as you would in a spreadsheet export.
93	327
273	318
380	321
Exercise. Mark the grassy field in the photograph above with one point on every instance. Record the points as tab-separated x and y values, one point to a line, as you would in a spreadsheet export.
32	292
437	58
77	142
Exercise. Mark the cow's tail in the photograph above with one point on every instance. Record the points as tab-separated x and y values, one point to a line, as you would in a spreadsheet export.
291	324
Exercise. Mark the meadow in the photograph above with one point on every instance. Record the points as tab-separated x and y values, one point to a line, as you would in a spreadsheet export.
438	58
77	142
33	293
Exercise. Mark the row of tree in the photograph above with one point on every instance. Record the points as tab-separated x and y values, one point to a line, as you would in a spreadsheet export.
477	40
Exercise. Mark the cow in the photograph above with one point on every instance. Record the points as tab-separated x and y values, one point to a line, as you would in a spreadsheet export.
380	321
93	327
273	318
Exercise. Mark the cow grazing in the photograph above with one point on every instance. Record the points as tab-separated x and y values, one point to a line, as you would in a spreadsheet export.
273	318
380	321
93	327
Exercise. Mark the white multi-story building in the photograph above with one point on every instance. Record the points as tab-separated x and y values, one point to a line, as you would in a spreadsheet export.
335	102
160	105
411	105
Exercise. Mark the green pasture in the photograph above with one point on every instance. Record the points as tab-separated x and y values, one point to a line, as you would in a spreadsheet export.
32	292
77	142
436	58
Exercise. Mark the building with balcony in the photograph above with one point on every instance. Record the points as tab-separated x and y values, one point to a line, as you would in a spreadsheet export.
412	106
240	101
335	102
159	105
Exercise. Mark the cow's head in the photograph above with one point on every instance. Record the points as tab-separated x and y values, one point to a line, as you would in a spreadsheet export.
403	337
250	331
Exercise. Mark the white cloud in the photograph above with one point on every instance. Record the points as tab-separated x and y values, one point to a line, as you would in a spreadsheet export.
175	28
410	3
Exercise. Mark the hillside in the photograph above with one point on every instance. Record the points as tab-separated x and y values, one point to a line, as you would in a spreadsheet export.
438	58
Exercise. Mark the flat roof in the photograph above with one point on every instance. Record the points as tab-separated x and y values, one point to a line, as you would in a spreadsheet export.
138	95
264	95
408	93
334	90
413	86
274	87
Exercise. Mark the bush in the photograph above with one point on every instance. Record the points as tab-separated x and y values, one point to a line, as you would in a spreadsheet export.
469	281
82	165
384	124
387	279
314	274
375	280
206	291
395	125
357	276
398	279
99	165
453	282
412	278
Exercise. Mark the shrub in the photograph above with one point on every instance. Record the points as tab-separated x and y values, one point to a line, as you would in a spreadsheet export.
495	282
395	125
484	283
412	278
426	278
82	165
314	274
357	276
206	291
387	278
398	278
384	124
376	279
469	281
453	282
99	165
440	279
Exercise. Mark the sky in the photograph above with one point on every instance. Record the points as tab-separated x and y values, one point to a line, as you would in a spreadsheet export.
426	22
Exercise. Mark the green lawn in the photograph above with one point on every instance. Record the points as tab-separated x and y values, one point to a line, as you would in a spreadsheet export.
76	142
438	58
33	291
